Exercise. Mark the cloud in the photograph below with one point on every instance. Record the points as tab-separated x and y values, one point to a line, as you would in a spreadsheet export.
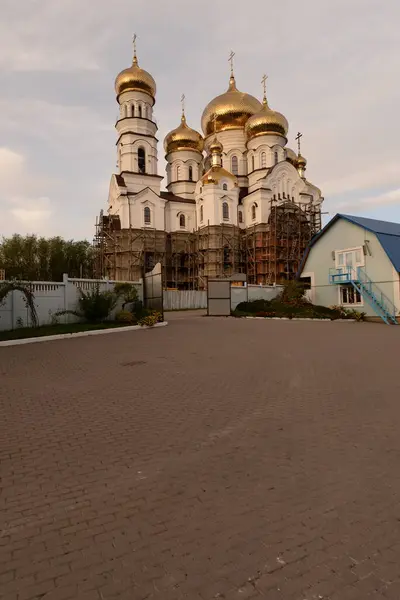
392	197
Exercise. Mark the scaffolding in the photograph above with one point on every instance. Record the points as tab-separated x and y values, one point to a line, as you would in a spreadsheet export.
269	253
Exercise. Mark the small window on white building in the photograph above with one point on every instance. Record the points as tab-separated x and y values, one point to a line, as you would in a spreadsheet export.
201	214
182	222
349	295
225	211
240	216
178	173
141	160
263	160
253	212
276	158
147	215
234	165
253	164
140	111
225	187
190	173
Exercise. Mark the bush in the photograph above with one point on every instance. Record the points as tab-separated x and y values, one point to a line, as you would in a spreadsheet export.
124	316
96	306
149	321
126	291
293	294
254	306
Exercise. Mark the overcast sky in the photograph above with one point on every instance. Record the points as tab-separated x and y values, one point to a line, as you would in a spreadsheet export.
333	71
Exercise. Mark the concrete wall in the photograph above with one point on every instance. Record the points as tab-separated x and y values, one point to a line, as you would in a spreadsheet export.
50	298
253	292
340	236
184	299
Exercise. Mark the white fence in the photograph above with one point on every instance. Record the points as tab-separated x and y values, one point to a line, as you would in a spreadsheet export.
184	299
253	292
50	298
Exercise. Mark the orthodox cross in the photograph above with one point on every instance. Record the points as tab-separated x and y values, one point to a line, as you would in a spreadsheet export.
214	121
264	83
183	98
298	138
134	45
230	59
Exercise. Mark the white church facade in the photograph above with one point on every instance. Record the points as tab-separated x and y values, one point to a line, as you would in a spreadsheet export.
230	191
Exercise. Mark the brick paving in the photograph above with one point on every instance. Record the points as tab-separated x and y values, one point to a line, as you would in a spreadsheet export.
229	459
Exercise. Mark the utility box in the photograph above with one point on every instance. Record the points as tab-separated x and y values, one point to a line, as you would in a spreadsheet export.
219	295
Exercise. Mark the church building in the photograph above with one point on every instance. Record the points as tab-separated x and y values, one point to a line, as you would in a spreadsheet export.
236	198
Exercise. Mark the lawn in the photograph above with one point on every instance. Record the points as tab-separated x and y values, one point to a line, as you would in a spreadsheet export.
30	332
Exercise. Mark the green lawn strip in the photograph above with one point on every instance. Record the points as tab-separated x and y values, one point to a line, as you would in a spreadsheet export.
30	332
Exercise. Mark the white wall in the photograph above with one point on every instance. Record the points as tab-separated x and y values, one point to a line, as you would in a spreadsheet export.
50	298
253	292
184	299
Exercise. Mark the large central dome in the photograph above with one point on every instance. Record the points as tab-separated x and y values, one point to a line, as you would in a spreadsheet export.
229	111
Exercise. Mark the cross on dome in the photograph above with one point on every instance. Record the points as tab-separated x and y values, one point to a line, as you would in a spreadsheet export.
230	59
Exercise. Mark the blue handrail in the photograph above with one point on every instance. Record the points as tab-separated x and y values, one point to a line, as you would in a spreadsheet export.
374	291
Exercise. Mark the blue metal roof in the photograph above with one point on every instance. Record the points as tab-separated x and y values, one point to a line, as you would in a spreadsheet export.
387	233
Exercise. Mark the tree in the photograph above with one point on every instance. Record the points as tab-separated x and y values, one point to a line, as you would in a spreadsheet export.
31	258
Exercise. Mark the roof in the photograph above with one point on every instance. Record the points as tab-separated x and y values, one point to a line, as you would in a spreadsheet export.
387	233
120	180
172	198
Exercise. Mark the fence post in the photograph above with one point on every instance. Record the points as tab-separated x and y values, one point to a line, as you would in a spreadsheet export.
65	282
12	310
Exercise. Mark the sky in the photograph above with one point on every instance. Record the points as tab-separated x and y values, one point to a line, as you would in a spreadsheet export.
333	71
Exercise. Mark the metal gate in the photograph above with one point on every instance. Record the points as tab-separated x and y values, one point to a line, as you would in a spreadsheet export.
153	289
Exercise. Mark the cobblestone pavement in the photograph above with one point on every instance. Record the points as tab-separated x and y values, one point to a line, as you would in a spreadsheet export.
213	458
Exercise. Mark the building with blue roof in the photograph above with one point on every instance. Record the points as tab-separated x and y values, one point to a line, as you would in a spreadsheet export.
355	262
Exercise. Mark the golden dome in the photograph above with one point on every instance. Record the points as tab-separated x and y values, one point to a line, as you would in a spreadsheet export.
229	111
291	156
301	161
215	174
266	122
183	138
135	79
215	146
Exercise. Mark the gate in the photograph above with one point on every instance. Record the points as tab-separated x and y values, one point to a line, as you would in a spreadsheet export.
153	289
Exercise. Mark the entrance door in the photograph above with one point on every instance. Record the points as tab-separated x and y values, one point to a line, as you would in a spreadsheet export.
347	262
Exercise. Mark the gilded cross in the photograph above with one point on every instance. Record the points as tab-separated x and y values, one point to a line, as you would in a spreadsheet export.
214	120
134	44
264	84
232	54
183	98
298	138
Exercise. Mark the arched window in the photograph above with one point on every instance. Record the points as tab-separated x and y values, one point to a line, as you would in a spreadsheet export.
133	110
182	221
225	187
225	211
201	214
147	215
140	110
234	165
253	212
142	160
240	216
190	173
263	160
178	173
253	166
276	158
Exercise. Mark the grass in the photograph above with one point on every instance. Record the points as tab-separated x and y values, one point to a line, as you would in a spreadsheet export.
30	332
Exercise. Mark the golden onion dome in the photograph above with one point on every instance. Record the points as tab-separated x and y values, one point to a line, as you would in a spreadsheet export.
183	138
215	146
301	161
135	79
229	111
291	156
266	122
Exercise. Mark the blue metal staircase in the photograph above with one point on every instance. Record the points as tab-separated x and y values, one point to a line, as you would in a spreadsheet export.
369	291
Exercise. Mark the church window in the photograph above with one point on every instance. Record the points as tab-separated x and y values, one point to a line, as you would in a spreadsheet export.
252	163
276	158
142	160
201	214
263	160
234	165
240	216
190	173
182	221
140	110
133	110
178	173
147	215
225	211
225	187
253	212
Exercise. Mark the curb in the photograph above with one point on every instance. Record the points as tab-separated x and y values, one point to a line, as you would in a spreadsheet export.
302	319
68	336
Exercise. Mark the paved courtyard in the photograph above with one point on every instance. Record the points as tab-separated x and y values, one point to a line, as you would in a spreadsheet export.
229	459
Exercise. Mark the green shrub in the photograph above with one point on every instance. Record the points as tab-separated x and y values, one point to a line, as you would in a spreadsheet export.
126	291
254	306
124	316
293	294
